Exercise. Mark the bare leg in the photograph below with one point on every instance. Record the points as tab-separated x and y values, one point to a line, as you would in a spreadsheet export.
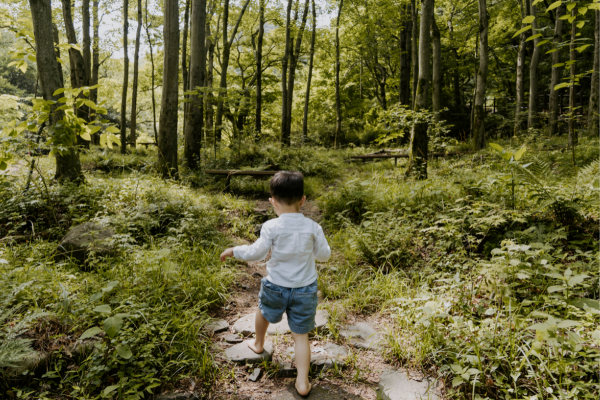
303	386
260	325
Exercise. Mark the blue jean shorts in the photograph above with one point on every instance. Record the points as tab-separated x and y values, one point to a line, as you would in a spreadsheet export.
300	305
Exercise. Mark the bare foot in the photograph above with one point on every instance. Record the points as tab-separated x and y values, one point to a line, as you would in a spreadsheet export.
303	390
254	347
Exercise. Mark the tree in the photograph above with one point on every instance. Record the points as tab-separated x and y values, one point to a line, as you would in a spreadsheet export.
572	132
520	90
95	68
259	50
437	68
556	72
417	160
338	105
184	59
152	76
225	63
310	70
404	95
134	89
68	165
85	26
479	109
533	120
125	79
167	128
195	116
415	55
285	139
594	107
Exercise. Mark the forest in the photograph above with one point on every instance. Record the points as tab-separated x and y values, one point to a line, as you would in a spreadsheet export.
450	151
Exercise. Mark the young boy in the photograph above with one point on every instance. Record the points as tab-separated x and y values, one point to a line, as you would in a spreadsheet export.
291	283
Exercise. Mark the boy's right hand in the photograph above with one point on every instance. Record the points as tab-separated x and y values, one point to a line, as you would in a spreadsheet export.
226	254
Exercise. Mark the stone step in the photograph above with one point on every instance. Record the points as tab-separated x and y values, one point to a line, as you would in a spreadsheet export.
395	385
318	392
320	358
241	353
217	325
362	335
245	325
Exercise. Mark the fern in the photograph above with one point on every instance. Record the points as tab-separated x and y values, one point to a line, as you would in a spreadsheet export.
14	351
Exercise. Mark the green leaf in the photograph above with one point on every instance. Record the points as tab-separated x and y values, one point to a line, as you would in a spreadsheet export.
520	153
104	308
583	302
85	136
90	332
58	91
533	37
551	51
580	25
554	5
576	280
582	10
556	288
110	389
112	326
496	147
565	17
528	27
527	20
540	327
542	42
112	129
571	6
582	48
124	351
558	65
561	85
457	381
568	324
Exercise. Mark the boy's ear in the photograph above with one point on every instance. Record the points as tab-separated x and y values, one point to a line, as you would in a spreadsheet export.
302	201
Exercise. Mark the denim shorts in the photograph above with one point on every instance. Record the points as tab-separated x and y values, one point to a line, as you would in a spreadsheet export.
300	305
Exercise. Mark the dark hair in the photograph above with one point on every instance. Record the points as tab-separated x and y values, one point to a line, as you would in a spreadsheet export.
287	186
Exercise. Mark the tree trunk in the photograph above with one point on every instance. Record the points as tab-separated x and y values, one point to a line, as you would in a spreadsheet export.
520	90
293	64
533	120
479	108
167	127
285	139
313	37
210	44
405	57
152	78
338	104
259	48
95	61
79	78
437	68
456	69
593	122
85	13
573	139
415	49
55	37
125	79
556	73
417	161
134	88
225	63
195	117
67	161
184	70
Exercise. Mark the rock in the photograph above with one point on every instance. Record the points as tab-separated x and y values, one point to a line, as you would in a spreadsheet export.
241	353
286	370
245	287
256	374
85	238
362	335
217	325
245	325
395	385
320	357
176	396
231	338
267	391
257	275
323	392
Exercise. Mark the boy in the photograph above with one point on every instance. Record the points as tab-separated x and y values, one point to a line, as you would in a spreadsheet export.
291	283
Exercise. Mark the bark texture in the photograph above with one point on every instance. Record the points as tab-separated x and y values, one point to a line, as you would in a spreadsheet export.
479	107
437	68
167	128
95	61
125	78
85	27
593	122
520	84
417	161
259	49
184	60
68	166
338	103
134	89
313	39
533	120
556	73
405	57
152	76
285	139
195	117
415	49
573	139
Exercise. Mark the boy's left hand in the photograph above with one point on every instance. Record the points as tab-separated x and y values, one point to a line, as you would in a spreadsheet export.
226	254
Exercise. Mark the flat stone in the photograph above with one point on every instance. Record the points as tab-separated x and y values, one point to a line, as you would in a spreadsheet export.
83	239
245	325
362	335
323	392
231	338
175	396
395	385
320	357
241	353
256	374
217	325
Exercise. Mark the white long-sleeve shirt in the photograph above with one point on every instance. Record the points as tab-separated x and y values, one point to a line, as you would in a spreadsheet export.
296	242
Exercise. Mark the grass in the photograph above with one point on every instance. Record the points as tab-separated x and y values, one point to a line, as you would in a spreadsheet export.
493	294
